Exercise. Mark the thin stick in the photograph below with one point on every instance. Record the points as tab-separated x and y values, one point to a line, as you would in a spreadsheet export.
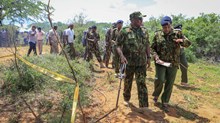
58	41
81	109
29	107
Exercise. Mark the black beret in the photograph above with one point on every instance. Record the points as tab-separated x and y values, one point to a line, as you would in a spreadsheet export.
178	26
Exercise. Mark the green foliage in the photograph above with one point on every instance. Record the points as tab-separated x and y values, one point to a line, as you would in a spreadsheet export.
28	80
21	10
190	55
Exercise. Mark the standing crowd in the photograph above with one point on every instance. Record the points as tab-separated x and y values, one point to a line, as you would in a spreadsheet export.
129	45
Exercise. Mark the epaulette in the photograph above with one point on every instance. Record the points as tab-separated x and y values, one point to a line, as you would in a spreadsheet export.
126	29
158	32
144	30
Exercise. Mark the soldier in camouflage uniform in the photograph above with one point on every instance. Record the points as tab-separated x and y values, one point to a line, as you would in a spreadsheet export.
108	45
116	58
133	49
92	38
166	48
183	60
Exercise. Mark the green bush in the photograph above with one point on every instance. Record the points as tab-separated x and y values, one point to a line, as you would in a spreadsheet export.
190	56
29	79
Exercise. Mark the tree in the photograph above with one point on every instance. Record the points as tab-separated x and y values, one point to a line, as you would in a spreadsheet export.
22	10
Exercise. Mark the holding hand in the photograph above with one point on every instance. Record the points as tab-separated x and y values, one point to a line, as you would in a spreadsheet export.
178	40
123	59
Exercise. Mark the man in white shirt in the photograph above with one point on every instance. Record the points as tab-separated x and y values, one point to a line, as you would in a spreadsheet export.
53	41
70	41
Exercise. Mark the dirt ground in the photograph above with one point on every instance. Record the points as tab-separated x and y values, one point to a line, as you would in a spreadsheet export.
105	101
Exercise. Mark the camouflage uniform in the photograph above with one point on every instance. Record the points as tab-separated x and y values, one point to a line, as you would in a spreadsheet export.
168	50
116	58
93	46
183	66
133	42
108	46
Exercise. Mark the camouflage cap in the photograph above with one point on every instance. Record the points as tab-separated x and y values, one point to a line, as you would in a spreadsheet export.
136	15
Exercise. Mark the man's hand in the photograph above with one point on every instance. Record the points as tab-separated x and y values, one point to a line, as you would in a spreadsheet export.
156	57
123	59
178	40
50	43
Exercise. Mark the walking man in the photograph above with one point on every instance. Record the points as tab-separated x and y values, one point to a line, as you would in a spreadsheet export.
116	57
183	60
40	39
85	43
53	41
108	44
32	40
166	52
133	49
70	41
93	46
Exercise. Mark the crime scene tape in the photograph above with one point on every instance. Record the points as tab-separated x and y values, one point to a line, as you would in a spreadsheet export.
75	101
54	75
6	56
58	77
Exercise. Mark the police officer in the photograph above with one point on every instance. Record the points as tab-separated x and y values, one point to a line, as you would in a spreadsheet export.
166	49
133	49
183	61
108	44
115	34
93	47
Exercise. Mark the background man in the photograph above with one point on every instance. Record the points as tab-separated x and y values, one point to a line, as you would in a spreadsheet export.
40	39
108	44
115	34
53	41
85	43
32	40
93	46
70	41
183	60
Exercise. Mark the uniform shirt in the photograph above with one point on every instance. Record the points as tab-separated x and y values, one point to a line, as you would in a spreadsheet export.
92	36
115	34
134	44
32	36
166	48
70	34
53	36
108	37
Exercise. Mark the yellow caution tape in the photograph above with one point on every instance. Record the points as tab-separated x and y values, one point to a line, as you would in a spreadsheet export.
58	77
54	75
75	101
6	56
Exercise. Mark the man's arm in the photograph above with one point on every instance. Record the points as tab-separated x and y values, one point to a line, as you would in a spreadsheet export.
120	40
148	51
89	39
122	57
154	49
